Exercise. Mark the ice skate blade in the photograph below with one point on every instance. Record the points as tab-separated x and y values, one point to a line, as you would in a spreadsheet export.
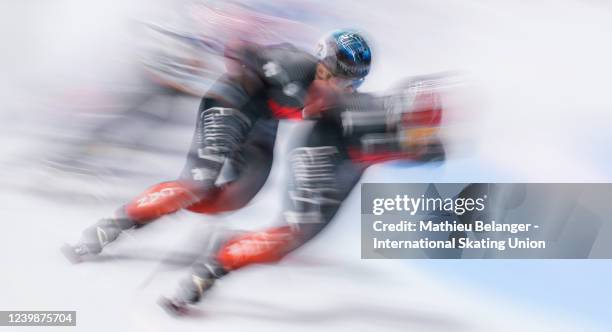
68	252
172	308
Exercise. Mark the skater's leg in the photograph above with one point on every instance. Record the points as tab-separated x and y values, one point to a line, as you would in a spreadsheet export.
220	134
322	181
251	165
161	199
320	188
169	197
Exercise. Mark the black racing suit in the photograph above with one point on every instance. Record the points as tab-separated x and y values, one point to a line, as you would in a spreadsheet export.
354	133
236	124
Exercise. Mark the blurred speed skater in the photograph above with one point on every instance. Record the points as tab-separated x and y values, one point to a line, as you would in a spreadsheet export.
236	126
353	132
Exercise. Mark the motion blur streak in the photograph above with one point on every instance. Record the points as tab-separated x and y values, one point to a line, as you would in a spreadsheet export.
98	101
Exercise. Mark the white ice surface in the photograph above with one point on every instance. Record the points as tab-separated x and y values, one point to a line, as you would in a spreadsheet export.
323	286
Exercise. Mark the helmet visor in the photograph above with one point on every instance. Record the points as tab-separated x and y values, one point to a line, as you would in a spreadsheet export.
337	81
345	83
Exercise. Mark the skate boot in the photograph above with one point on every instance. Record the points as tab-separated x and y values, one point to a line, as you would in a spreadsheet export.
95	238
191	289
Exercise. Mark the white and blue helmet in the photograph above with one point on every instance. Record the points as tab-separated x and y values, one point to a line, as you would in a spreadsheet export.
346	54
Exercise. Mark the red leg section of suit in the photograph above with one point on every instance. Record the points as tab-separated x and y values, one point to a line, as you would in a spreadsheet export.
230	197
169	197
258	247
159	200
